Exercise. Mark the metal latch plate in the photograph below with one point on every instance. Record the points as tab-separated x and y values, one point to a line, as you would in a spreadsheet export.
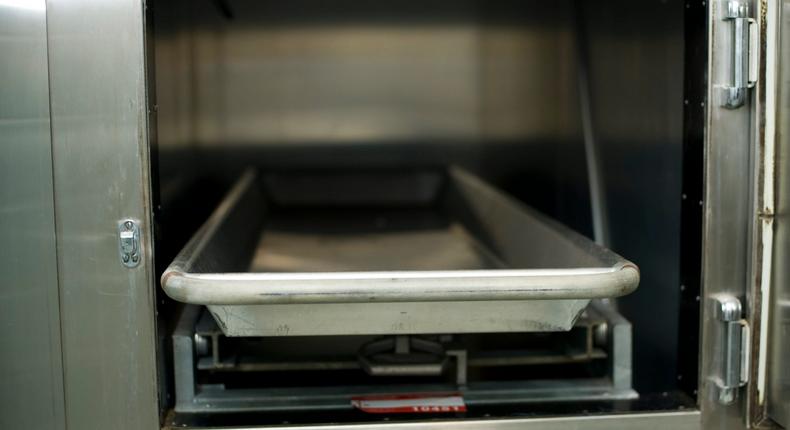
129	243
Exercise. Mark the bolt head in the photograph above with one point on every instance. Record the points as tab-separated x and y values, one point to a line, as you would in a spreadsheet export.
726	396
125	258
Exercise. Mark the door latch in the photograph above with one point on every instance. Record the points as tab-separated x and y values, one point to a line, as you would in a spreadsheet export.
733	366
744	54
129	243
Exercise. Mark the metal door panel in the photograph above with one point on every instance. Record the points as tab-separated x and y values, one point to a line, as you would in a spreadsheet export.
100	152
727	209
778	381
31	393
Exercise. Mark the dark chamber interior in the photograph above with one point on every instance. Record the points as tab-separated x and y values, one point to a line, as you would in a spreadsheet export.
496	87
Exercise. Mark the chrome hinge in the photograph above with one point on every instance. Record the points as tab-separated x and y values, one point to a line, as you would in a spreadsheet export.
733	369
744	54
129	243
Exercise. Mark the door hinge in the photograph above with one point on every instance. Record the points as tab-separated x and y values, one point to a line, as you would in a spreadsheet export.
129	243
743	75
733	366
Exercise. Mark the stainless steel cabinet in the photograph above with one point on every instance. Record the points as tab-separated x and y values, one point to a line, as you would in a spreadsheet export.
77	143
30	361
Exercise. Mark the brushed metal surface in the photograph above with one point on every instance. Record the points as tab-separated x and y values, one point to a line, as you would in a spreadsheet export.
728	211
446	247
31	391
686	420
293	73
100	150
398	318
778	380
486	85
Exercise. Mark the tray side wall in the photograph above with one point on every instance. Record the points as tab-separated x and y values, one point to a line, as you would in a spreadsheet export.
398	318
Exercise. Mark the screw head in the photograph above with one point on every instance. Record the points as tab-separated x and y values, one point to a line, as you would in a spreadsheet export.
125	258
128	224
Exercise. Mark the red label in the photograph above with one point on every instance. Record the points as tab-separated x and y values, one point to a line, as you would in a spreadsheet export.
410	403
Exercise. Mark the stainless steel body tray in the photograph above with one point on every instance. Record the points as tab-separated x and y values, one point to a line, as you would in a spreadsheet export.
469	260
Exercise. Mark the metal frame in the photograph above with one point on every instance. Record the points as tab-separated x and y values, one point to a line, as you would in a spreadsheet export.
685	420
193	398
100	146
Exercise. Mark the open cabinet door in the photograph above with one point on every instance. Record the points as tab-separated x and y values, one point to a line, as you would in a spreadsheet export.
728	212
746	322
778	351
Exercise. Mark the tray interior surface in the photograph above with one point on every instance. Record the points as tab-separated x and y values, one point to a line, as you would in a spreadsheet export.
329	240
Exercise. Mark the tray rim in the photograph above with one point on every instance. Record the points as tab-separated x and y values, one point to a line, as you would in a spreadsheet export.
621	277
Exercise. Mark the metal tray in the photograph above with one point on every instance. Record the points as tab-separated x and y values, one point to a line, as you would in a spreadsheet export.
424	252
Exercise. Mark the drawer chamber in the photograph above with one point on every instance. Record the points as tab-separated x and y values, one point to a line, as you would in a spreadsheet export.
393	151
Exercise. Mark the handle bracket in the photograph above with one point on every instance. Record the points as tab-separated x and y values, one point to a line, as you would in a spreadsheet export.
744	54
733	369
